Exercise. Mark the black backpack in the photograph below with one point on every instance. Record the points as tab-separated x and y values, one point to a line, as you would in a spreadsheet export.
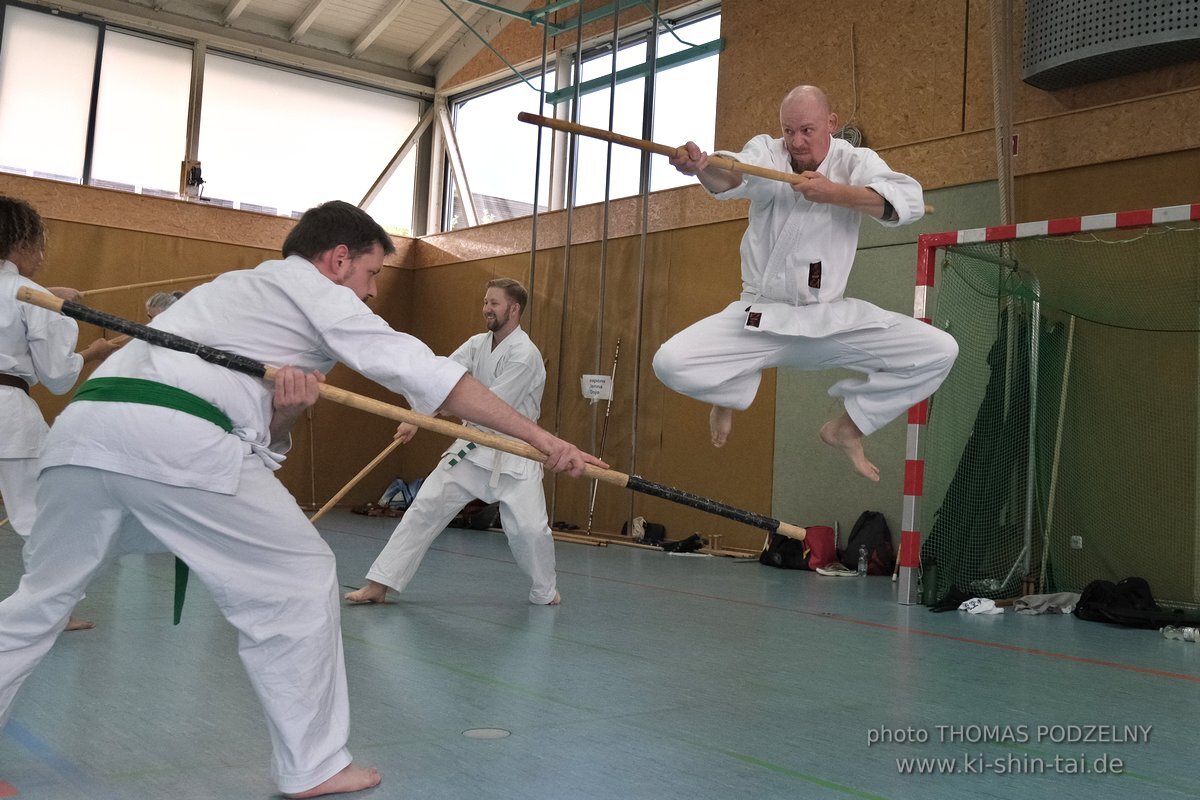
785	553
871	530
1128	602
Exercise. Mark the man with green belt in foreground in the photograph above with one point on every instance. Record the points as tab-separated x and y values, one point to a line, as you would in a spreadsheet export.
162	442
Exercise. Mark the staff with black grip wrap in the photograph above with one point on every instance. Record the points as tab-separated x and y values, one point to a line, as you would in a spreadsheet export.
248	366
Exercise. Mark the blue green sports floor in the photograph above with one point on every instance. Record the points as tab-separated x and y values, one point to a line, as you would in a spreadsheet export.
659	677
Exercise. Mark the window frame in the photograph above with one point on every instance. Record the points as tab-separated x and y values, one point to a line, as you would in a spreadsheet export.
562	185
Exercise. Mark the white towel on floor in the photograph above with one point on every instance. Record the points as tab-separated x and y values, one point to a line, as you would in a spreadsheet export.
980	605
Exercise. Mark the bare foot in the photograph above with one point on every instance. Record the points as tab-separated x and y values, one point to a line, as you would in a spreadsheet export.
352	778
556	601
77	624
842	432
371	593
720	423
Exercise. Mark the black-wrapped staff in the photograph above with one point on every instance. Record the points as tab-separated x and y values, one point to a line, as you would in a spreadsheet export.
249	366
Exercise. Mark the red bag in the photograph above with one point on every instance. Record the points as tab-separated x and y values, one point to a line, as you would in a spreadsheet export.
821	545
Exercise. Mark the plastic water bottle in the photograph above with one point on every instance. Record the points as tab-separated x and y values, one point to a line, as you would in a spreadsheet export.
862	560
1183	634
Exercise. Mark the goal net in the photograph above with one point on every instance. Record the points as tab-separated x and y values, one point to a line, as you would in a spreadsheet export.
1064	447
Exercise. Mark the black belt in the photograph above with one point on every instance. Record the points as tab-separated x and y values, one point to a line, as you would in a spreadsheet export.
14	381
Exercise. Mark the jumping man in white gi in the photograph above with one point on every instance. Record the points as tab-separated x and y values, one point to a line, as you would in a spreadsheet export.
796	257
161	442
507	362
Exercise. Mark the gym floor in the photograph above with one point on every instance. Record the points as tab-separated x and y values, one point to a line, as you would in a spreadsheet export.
659	677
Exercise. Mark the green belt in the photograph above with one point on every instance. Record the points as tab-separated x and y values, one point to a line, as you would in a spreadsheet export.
461	455
152	393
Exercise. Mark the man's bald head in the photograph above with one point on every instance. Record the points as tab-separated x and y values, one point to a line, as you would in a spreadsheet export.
808	126
806	94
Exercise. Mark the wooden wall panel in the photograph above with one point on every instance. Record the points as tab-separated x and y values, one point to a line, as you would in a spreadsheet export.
1164	180
1099	136
976	100
899	74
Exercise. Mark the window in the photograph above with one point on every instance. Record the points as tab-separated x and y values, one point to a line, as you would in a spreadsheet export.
286	142
592	154
141	114
46	68
685	100
498	152
270	139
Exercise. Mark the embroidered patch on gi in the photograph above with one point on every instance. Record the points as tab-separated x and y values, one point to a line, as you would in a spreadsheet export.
753	319
814	275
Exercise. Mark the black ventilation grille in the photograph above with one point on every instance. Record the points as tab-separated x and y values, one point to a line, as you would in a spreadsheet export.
1072	42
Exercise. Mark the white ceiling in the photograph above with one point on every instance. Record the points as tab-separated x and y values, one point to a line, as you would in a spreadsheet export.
404	44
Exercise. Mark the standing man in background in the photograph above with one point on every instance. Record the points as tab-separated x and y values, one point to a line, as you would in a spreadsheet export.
507	362
160	302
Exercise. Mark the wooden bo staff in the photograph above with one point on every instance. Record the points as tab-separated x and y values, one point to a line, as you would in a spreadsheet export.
354	481
149	284
248	366
723	162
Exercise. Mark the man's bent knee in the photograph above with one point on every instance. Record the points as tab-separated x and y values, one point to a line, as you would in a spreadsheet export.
675	370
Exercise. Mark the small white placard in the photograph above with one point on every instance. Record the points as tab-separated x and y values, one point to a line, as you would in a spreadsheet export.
596	387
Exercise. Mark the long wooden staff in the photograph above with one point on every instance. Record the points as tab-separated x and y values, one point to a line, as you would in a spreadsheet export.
724	162
249	366
353	481
604	432
148	284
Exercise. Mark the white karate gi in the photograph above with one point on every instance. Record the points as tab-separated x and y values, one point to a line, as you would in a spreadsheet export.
515	372
796	258
211	498
39	346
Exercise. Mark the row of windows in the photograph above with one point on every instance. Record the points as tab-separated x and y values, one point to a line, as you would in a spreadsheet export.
278	141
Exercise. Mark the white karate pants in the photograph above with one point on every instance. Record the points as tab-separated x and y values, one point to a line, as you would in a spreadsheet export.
718	361
442	496
18	487
266	567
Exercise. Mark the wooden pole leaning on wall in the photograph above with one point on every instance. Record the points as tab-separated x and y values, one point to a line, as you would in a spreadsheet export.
364	472
723	162
249	366
149	284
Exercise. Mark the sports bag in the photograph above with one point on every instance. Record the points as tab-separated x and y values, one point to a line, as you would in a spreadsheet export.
816	549
871	530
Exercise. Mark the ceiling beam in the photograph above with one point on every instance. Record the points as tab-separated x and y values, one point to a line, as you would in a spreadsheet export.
377	27
251	43
443	34
234	10
306	19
